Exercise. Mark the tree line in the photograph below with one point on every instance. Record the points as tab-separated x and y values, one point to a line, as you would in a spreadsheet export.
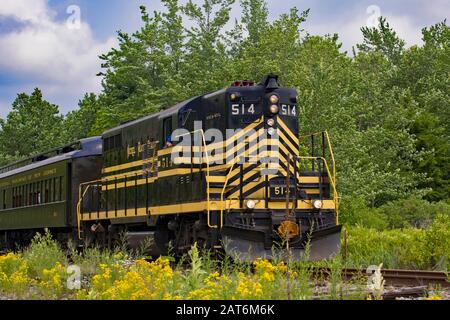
386	106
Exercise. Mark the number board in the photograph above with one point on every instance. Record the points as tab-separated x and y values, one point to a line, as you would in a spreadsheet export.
245	109
279	192
288	110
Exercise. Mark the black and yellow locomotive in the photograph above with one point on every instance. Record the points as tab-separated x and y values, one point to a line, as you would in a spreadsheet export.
222	170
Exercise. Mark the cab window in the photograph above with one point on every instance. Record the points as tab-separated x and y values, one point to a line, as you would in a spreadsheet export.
167	132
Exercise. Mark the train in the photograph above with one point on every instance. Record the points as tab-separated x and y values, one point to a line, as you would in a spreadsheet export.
226	170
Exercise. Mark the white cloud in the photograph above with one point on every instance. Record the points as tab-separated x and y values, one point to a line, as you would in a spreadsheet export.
349	28
58	58
34	11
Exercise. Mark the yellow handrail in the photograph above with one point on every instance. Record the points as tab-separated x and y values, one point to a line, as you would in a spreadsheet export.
223	191
332	155
208	205
80	198
333	183
329	147
333	176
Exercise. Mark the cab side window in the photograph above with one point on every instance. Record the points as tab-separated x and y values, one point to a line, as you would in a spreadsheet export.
167	132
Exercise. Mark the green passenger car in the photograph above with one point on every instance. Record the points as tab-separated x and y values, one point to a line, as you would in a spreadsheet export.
42	192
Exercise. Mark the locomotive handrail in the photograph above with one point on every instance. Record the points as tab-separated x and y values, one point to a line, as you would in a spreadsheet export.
80	199
333	182
330	148
223	191
332	156
208	205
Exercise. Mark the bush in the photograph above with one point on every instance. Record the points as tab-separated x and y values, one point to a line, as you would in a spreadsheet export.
403	213
413	212
409	248
393	248
437	242
355	212
44	253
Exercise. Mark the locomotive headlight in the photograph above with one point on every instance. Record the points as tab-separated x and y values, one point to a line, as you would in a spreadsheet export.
274	109
270	122
274	99
250	204
233	96
271	131
318	204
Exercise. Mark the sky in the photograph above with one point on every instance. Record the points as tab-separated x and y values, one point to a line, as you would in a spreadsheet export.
54	44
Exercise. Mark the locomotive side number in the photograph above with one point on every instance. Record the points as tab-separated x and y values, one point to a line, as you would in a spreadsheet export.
279	192
242	109
289	110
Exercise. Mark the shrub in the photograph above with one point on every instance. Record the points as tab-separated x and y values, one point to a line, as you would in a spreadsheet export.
413	212
354	211
43	253
437	242
394	248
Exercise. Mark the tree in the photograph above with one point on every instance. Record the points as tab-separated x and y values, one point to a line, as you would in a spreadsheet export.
33	126
205	58
382	39
78	123
144	74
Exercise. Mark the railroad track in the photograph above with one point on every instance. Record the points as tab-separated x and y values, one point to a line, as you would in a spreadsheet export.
410	278
398	283
397	277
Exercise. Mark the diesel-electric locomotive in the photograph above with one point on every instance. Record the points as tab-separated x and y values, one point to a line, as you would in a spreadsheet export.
226	170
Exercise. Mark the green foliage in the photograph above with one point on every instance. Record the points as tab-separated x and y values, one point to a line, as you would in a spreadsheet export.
413	212
382	39
34	125
354	211
44	253
410	212
78	123
437	242
409	248
393	248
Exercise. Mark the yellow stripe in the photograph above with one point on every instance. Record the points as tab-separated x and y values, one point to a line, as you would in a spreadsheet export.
130	174
126	165
199	207
285	140
131	183
246	188
162	152
289	132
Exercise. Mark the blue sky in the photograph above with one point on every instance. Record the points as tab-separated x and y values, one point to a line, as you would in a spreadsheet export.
37	49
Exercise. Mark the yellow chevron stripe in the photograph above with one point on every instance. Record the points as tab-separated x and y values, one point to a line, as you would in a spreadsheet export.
285	140
289	132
